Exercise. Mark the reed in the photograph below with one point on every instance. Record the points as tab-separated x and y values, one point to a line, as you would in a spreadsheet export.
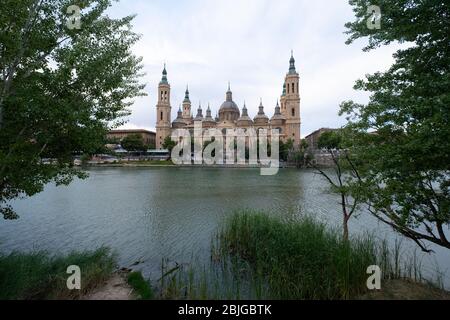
255	255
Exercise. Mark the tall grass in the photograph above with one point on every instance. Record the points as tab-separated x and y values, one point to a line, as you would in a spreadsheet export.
41	276
140	285
257	256
300	259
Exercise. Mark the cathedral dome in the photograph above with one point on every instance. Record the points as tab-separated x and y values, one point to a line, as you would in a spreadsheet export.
229	111
261	118
179	122
209	121
199	116
229	106
278	118
244	120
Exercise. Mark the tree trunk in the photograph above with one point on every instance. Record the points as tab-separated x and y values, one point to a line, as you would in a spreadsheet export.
1	112
345	236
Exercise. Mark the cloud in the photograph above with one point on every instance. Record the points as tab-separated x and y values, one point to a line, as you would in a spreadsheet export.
208	43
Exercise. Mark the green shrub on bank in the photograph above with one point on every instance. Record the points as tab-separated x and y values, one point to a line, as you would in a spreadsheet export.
140	285
41	276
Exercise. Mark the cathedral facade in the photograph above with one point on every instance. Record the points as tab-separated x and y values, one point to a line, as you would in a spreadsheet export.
285	118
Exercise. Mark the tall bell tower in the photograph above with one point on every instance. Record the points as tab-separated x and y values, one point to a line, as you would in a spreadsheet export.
290	101
163	111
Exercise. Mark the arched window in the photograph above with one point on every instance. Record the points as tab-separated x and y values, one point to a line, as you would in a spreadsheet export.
293	112
293	90
161	116
288	88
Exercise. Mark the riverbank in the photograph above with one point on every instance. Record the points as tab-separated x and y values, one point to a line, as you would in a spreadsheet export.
122	164
41	276
253	256
169	163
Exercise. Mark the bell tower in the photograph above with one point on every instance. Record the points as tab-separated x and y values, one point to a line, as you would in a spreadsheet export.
187	106
163	111
290	101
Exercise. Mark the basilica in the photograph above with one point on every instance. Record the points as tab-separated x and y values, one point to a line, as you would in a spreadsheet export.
285	118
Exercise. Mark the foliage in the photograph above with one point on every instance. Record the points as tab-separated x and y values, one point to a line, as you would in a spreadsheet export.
169	144
300	156
329	140
60	88
285	149
402	135
140	285
41	276
133	142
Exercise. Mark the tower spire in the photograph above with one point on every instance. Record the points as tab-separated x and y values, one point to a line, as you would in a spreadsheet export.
229	96
186	95
277	109
164	75
208	113
261	108
244	110
199	116
292	64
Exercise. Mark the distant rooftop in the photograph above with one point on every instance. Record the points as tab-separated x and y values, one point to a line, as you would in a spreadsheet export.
319	130
119	131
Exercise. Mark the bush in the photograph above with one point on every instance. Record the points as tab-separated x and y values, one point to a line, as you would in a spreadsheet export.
140	285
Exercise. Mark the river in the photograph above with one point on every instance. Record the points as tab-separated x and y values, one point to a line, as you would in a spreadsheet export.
147	214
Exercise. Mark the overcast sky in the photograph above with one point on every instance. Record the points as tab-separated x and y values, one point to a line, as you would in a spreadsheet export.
207	43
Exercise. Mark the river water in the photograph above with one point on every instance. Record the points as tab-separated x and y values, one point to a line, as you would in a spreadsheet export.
147	214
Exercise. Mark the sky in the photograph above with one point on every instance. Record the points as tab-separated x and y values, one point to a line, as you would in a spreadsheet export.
208	43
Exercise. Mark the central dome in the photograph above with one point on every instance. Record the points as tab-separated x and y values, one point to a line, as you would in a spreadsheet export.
229	111
229	106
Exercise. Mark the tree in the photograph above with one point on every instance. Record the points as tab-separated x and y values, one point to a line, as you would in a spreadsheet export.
169	144
134	142
300	156
285	149
401	137
340	179
61	88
